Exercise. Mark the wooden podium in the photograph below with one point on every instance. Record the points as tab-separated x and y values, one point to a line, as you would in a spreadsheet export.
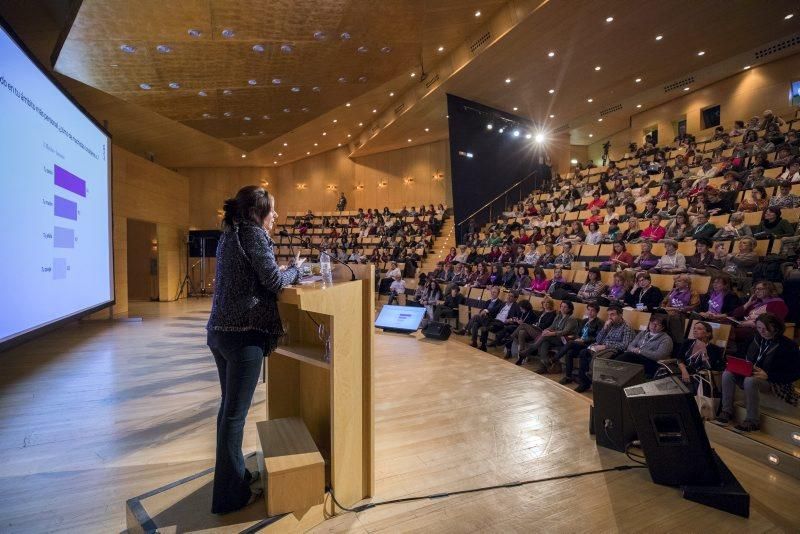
333	396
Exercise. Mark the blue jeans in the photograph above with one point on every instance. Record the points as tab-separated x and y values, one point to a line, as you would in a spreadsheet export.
239	368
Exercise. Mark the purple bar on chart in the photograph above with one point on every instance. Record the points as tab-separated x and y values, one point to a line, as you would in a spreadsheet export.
70	182
65	208
63	237
59	268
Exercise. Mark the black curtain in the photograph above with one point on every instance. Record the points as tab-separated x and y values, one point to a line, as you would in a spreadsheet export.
486	162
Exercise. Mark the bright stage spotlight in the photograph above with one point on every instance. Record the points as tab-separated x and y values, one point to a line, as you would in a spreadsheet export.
539	138
489	126
516	133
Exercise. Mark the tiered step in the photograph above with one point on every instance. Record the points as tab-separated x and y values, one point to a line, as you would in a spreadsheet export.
776	445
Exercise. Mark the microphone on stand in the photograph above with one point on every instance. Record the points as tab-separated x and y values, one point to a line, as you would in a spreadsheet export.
284	233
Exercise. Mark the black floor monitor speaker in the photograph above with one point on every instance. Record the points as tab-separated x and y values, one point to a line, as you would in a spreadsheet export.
672	434
613	426
676	446
436	330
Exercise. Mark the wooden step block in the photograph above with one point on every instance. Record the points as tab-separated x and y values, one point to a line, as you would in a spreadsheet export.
295	470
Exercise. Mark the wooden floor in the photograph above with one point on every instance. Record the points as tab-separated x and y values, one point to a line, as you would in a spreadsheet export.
99	412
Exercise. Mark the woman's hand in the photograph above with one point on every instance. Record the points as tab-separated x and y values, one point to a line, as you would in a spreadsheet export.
298	261
758	372
685	376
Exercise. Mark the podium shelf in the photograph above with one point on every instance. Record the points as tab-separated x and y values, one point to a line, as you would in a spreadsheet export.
306	353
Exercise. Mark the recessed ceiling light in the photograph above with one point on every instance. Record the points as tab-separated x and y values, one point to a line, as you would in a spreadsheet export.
114	65
528	136
227	33
206	115
609	19
247	118
344	36
285	144
413	74
361	124
145	86
339	144
386	50
244	155
552	116
600	119
335	121
701	53
128	49
259	48
551	54
515	133
274	162
515	108
551	91
265	117
409	140
374	110
276	81
427	129
591	135
362	79
508	80
194	33
638	105
391	94
638	80
342	79
598	67
295	89
227	114
252	82
787	17
261	132
280	153
202	93
347	105
348	135
315	144
307	153
316	89
227	92
686	88
659	37
324	134
477	14
287	48
287	110
362	49
319	36
501	130
746	67
163	49
440	49
489	126
174	85
590	100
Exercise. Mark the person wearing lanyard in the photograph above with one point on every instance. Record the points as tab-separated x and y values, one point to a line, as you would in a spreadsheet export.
776	365
588	332
703	228
673	261
649	346
646	296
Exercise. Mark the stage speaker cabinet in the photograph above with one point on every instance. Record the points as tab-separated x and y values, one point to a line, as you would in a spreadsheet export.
436	330
613	426
672	434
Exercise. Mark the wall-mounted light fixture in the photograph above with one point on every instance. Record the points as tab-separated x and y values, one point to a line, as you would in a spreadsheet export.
438	176
408	180
301	187
360	187
382	184
264	183
331	187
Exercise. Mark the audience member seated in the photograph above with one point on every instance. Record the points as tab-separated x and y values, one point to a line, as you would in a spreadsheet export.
698	355
530	257
522	281
702	229
645	296
504	317
681	298
646	260
764	299
566	257
449	308
539	282
649	346
593	288
702	258
563	328
654	231
757	201
611	340
488	312
505	335
734	229
672	261
720	301
530	331
773	225
776	365
791	174
593	236
431	295
785	198
680	228
586	335
548	257
620	258
396	289
739	264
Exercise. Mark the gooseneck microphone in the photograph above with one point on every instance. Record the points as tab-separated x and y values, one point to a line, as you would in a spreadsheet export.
284	233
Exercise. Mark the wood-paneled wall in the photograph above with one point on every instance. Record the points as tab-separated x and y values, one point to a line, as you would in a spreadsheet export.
359	178
148	192
740	97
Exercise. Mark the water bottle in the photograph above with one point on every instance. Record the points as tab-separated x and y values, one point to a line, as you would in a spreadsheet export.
325	268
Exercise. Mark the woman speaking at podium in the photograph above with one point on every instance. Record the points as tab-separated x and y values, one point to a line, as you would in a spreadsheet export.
243	328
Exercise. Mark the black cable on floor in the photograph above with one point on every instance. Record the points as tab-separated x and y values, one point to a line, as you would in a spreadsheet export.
367	506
